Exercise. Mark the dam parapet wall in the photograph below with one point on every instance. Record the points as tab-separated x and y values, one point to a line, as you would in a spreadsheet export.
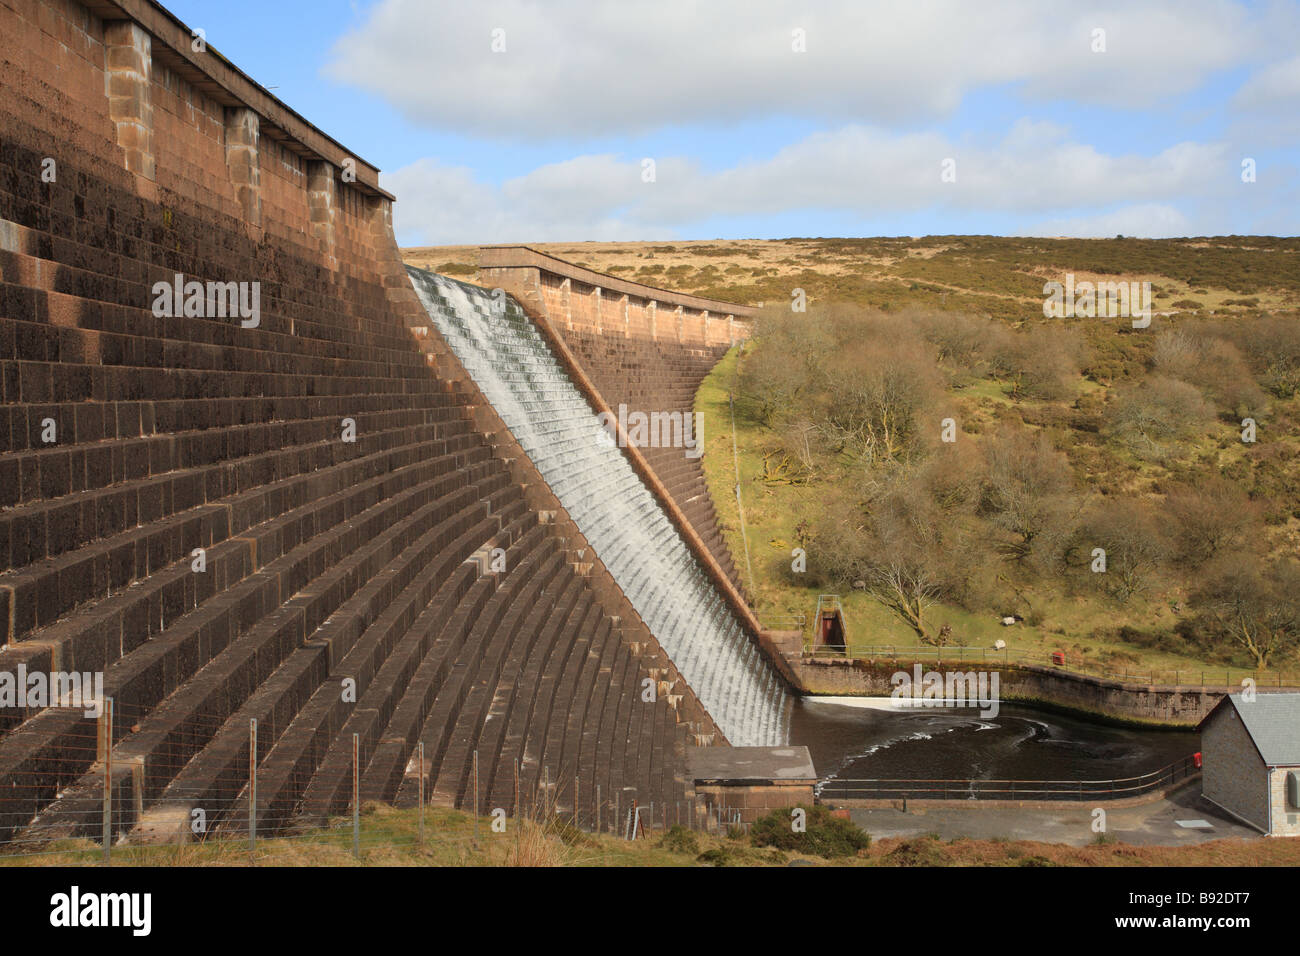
575	298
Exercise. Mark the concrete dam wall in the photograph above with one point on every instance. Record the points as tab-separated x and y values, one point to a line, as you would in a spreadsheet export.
302	514
510	360
644	349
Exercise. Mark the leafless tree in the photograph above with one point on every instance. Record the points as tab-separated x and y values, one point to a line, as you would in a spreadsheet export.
1255	606
1026	489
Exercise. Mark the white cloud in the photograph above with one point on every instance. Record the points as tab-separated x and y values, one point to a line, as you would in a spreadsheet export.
1276	87
1035	173
1144	221
1266	109
572	68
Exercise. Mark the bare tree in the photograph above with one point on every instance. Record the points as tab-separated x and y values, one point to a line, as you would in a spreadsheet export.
1256	607
1210	516
1040	362
1134	544
1152	417
1026	488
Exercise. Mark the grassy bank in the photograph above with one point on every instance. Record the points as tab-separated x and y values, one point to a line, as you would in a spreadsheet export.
391	838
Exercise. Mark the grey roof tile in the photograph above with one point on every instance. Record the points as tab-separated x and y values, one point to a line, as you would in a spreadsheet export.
1273	722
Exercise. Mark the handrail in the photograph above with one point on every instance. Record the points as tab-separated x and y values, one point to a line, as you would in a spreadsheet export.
972	789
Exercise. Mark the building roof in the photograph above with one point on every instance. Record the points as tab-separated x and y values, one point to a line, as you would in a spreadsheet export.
751	765
1273	722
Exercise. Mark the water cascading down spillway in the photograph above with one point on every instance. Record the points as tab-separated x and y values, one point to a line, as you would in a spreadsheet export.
551	419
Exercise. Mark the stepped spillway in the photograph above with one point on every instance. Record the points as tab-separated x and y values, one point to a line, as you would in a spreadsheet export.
515	369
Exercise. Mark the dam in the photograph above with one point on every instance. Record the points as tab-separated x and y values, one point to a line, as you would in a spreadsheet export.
506	356
365	548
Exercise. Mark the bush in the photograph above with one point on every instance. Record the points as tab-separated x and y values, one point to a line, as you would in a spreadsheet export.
456	269
716	857
921	851
678	839
826	835
1153	418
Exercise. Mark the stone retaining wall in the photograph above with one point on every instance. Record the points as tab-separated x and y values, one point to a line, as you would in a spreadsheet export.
1182	706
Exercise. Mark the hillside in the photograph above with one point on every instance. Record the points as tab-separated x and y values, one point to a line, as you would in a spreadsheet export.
999	276
1070	433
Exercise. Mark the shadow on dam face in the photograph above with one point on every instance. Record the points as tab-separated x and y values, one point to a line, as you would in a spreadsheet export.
512	365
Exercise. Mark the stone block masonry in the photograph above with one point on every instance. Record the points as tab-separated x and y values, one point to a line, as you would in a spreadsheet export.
128	69
243	162
573	299
130	440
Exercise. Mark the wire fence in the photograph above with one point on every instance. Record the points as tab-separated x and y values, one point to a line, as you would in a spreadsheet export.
135	780
1069	790
1180	677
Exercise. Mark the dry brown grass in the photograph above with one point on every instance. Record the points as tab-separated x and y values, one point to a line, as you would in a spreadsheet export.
961	852
389	837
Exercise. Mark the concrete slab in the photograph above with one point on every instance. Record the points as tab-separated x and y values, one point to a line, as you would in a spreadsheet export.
751	765
1150	824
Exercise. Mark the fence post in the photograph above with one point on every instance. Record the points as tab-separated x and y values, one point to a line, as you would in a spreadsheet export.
575	801
600	817
420	750
475	807
252	785
106	728
356	794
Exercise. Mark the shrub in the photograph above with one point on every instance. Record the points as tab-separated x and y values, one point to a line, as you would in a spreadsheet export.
678	839
826	835
921	851
456	269
1152	418
716	857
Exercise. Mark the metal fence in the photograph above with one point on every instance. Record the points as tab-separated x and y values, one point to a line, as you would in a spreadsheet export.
94	797
1199	677
1075	790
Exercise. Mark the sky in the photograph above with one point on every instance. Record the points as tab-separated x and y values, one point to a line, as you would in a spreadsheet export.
523	121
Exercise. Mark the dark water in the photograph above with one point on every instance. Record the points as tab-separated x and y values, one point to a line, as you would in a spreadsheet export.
1020	743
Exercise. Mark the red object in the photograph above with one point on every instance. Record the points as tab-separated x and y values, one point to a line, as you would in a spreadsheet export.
1058	658
1196	759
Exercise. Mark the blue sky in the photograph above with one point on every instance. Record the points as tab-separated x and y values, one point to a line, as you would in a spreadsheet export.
509	120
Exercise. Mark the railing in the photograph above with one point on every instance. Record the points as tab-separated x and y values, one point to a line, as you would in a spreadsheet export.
1077	790
785	622
1197	677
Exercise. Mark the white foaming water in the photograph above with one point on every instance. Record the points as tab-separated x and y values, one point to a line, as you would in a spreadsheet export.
512	365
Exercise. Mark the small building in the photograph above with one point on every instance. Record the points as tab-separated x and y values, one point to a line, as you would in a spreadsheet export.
831	629
741	784
1250	753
